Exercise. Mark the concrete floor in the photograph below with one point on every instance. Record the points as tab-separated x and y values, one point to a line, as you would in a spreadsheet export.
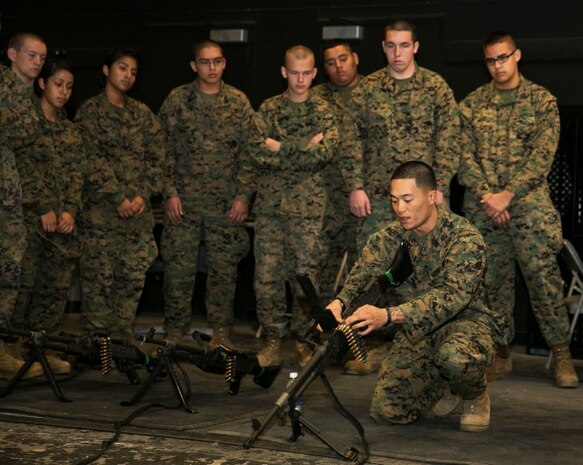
532	422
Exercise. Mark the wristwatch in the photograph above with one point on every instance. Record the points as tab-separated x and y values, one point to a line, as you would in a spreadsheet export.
388	310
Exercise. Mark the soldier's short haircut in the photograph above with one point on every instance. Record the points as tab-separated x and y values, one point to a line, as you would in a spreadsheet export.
498	37
418	170
336	43
402	25
299	52
196	48
17	40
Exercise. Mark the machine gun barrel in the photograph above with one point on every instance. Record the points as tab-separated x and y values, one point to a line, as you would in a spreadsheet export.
336	339
234	364
97	348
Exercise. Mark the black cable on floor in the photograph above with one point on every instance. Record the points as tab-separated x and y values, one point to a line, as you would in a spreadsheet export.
118	425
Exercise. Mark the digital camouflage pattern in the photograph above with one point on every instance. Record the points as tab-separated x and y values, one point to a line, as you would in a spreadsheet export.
206	140
343	176
448	333
18	129
52	173
398	121
292	201
125	153
509	142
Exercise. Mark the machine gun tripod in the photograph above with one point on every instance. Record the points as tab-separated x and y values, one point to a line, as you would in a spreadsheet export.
322	357
337	340
98	348
231	363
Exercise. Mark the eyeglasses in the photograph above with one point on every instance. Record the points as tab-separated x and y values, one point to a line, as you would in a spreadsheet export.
206	62
500	59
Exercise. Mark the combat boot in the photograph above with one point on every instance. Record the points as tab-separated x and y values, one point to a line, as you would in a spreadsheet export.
270	354
374	360
476	414
501	365
16	349
304	352
10	365
447	404
58	365
221	337
565	376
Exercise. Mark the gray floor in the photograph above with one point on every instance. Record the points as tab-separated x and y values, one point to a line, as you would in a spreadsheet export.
532	422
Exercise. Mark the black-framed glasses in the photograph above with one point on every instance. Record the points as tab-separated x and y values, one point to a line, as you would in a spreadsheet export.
500	59
207	62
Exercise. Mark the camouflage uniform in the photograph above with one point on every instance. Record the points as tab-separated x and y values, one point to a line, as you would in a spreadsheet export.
206	137
52	172
509	142
124	148
342	177
447	334
291	203
18	129
403	120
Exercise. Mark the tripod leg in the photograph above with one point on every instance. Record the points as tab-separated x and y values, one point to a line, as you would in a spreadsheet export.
39	355
144	388
36	355
17	378
179	393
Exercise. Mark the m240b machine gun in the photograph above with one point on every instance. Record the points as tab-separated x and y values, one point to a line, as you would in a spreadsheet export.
233	364
103	350
336	341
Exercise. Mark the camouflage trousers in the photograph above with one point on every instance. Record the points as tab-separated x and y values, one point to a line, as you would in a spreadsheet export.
12	234
381	216
113	270
45	281
412	377
343	241
226	244
533	240
12	247
284	247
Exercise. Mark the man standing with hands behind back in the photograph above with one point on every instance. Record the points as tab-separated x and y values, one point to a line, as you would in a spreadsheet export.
509	139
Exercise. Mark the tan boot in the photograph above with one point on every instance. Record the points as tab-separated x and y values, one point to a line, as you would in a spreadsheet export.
447	404
17	349
10	365
374	360
304	352
565	376
476	414
270	354
501	365
221	337
58	365
354	367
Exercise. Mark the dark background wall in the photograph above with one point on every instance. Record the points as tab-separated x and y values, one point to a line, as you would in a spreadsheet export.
550	34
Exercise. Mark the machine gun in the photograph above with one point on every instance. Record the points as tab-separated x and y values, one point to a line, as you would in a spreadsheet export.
335	342
233	364
103	349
